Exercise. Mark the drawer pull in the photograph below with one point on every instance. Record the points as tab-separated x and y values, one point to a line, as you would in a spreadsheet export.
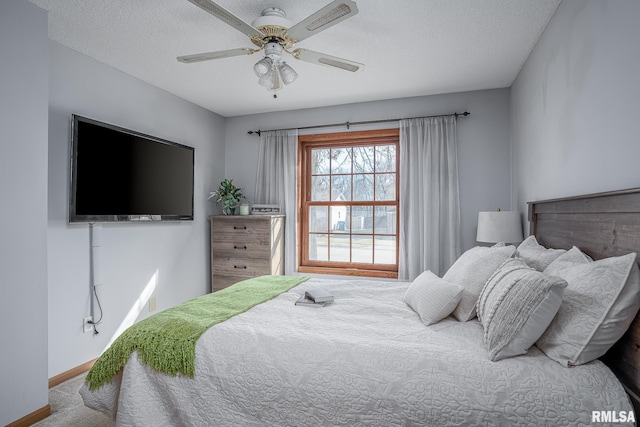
244	267
239	247
235	227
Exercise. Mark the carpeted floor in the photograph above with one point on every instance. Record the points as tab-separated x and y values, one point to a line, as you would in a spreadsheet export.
68	410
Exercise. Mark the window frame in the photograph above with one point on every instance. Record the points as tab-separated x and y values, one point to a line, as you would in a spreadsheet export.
332	140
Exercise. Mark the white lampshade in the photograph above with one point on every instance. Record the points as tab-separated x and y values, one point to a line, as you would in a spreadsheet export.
499	227
287	73
263	67
266	81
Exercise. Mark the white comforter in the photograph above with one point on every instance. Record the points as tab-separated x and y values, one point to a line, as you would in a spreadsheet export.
366	359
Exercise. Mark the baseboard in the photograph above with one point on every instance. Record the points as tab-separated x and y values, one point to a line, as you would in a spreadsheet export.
74	372
32	418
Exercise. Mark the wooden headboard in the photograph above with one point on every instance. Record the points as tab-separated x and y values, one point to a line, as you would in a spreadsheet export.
601	225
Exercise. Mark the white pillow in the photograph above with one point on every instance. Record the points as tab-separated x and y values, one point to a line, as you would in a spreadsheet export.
471	271
574	255
600	302
516	306
432	297
536	255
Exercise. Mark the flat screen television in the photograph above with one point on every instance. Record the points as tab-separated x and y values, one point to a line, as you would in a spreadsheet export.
122	175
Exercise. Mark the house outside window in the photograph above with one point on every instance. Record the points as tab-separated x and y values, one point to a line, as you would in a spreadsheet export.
348	203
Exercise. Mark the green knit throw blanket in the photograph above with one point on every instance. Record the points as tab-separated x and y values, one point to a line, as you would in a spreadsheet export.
167	341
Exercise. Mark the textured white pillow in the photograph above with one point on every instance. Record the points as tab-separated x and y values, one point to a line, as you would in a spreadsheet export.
471	271
574	255
516	306
536	255
432	297
600	302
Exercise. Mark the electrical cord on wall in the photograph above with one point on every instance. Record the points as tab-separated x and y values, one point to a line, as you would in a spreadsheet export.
92	282
97	322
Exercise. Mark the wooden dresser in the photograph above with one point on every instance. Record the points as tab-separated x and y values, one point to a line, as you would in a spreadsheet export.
245	246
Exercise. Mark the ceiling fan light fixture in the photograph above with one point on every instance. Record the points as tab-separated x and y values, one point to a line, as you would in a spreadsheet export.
273	49
265	81
263	67
287	73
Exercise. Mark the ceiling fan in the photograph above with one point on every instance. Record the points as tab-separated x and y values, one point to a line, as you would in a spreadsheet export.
275	34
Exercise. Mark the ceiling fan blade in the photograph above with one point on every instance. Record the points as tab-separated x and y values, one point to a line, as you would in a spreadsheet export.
333	13
328	60
216	55
227	17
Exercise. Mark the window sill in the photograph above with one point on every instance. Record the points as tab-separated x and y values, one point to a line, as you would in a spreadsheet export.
349	272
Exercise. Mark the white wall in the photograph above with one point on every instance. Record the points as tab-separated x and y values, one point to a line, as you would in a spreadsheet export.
169	261
574	105
23	213
483	142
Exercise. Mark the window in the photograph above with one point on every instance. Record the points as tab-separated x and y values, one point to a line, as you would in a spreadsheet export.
348	203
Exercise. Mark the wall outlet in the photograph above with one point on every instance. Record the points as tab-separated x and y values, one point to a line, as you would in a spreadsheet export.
86	326
152	304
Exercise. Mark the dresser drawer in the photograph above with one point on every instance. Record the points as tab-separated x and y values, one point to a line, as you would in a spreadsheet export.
241	249
220	282
240	229
240	266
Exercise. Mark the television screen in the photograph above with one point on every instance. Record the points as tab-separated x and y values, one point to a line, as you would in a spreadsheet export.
122	175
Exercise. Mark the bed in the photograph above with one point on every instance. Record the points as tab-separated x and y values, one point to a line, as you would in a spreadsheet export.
367	359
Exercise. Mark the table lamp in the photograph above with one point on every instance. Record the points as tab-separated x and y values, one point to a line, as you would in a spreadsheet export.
499	227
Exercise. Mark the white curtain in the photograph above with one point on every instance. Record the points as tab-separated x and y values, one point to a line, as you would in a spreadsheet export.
429	196
276	183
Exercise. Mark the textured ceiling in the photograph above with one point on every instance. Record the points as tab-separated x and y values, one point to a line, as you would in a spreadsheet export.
410	48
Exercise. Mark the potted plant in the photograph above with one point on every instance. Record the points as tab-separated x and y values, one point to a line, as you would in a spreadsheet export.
227	196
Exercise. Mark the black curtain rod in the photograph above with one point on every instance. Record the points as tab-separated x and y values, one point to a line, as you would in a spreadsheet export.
348	124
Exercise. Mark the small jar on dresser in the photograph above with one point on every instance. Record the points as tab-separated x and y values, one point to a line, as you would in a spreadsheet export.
243	247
